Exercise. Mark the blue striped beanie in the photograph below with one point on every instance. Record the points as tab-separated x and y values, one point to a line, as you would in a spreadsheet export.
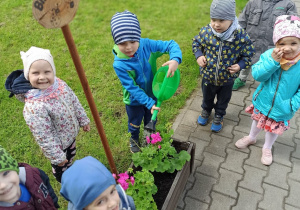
223	9
125	27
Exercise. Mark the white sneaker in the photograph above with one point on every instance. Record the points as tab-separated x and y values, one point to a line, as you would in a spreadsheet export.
266	157
244	142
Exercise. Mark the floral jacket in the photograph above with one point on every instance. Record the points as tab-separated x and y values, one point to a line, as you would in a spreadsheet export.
54	117
222	54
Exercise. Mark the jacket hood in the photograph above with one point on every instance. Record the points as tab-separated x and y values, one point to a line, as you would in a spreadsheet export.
16	83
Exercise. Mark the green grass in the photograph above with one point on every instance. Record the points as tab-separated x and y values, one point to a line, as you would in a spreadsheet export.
164	20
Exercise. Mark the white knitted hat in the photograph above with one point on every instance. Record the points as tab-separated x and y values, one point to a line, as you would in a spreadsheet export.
34	54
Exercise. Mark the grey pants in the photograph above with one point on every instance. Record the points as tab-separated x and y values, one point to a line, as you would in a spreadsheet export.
244	73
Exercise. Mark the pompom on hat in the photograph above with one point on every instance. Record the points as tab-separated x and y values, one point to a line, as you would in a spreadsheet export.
223	9
286	25
34	54
7	162
125	27
84	181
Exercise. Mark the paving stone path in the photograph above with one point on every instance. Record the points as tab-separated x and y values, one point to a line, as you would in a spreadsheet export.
225	177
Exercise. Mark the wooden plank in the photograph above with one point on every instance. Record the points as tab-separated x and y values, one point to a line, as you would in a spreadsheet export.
180	180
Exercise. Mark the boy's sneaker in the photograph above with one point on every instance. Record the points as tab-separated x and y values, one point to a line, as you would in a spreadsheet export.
266	157
134	146
238	83
244	142
203	118
217	123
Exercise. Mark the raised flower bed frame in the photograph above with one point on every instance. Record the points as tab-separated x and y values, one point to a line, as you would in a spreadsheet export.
182	176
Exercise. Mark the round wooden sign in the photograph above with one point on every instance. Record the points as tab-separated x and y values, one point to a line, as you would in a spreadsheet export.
54	13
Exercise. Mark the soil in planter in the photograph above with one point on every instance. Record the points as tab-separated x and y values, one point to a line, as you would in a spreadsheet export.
163	181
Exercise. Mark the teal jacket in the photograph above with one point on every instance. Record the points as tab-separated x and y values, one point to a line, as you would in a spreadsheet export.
278	95
135	73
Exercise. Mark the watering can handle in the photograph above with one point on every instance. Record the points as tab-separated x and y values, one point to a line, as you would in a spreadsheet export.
155	112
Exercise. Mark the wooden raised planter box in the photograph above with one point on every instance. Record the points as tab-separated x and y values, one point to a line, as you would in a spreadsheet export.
182	176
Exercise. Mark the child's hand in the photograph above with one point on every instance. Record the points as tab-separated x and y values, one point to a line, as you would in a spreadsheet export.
277	54
201	61
86	128
154	108
173	65
234	68
63	163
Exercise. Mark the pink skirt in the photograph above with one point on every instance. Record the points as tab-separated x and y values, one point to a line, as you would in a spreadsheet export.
268	124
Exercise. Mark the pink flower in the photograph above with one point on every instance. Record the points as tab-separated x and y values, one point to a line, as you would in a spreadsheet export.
148	139
132	180
124	175
114	175
159	147
155	138
123	183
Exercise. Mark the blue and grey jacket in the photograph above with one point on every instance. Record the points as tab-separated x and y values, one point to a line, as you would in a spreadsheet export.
135	72
278	95
222	54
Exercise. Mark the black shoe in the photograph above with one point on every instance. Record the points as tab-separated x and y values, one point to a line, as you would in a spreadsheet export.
134	146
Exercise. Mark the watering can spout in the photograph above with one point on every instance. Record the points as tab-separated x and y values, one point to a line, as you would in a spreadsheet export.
150	126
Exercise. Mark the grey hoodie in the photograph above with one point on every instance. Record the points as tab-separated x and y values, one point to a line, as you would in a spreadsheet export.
258	18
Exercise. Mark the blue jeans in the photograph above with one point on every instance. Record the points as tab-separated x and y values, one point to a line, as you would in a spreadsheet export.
135	116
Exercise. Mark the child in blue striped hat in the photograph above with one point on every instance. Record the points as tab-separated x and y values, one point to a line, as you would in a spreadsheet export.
221	49
131	64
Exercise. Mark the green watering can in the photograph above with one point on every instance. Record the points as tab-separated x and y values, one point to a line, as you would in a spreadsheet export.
163	88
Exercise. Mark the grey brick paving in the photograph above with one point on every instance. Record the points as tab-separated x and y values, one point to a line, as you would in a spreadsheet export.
247	200
202	188
296	152
273	197
254	159
210	165
277	176
282	154
193	204
294	194
221	202
288	207
225	177
295	174
253	178
218	145
227	183
234	161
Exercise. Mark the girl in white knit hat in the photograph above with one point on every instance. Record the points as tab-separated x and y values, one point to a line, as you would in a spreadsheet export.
52	111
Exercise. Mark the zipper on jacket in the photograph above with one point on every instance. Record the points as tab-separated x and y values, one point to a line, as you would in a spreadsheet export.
258	93
275	92
145	79
218	62
70	113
